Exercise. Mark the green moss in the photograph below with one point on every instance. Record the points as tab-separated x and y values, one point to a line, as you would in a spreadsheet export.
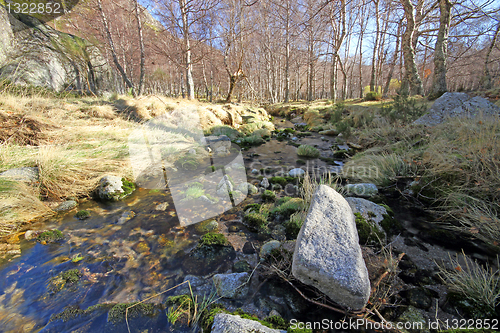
255	220
288	207
82	214
367	232
390	225
289	130
293	225
255	207
241	266
213	238
50	236
278	180
307	151
194	192
63	279
208	316
73	311
127	187
341	153
388	209
117	313
300	162
269	196
275	323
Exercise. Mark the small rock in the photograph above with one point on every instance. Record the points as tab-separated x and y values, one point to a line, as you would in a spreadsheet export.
26	175
233	286
369	210
192	151
248	248
162	207
226	323
241	267
112	188
32	234
331	132
414	317
66	205
297	172
343	147
225	186
247	188
354	145
364	190
233	228
264	183
255	172
205	199
268	247
295	138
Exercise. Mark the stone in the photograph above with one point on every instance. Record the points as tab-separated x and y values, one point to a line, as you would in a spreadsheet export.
111	188
225	186
268	247
331	132
457	105
66	205
205	259
327	253
297	172
207	226
369	210
295	138
415	318
247	188
241	266
264	183
233	286
354	145
255	172
26	175
364	190
226	323
248	248
220	143
297	120
205	199
32	234
162	206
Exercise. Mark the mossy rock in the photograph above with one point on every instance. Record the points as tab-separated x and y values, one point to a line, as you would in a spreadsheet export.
73	311
117	313
390	225
63	279
82	214
255	207
368	232
50	236
255	221
206	226
128	187
212	252
288	208
213	238
241	267
268	196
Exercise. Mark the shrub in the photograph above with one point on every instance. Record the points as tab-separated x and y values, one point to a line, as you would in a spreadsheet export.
404	109
307	151
373	96
255	220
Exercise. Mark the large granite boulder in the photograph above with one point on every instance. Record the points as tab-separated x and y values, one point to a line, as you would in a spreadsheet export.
226	323
327	252
114	188
452	105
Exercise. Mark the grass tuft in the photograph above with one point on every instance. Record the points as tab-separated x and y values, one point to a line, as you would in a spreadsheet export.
307	151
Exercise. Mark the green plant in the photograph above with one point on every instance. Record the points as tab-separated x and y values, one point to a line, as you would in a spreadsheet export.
252	140
479	285
213	238
50	236
76	258
404	109
230	132
127	186
194	191
63	279
373	96
82	214
268	196
293	225
255	220
307	151
288	207
367	231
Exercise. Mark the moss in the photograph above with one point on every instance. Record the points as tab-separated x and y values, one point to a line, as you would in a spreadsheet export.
268	195
73	311
275	323
50	236
367	232
390	225
241	266
289	130
63	279
341	153
307	151
127	187
213	238
255	220
288	207
255	207
82	214
299	330
388	209
278	180
117	313
470	308
293	225
208	316
300	162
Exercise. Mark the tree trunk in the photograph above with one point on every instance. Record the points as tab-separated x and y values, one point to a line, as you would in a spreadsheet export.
113	50
412	83
394	60
486	80
375	47
141	46
187	49
441	50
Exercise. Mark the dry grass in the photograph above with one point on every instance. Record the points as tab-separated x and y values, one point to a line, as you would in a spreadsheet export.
478	284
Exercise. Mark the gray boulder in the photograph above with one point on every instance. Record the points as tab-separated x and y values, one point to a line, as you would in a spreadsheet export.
297	172
364	190
112	188
66	205
369	210
233	286
225	186
453	105
247	188
226	323
327	252
26	175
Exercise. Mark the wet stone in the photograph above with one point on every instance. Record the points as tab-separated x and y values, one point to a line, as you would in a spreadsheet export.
248	248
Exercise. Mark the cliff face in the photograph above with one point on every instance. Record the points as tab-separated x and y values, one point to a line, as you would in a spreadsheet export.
33	53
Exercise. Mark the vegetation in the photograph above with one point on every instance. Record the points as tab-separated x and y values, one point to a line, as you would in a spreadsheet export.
50	236
63	279
268	196
256	220
213	238
373	96
82	214
132	310
403	109
307	151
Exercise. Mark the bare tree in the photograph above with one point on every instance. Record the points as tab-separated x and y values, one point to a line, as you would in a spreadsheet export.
412	81
441	50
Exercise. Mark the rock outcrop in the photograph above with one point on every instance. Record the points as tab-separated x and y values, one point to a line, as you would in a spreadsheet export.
327	252
461	105
32	53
